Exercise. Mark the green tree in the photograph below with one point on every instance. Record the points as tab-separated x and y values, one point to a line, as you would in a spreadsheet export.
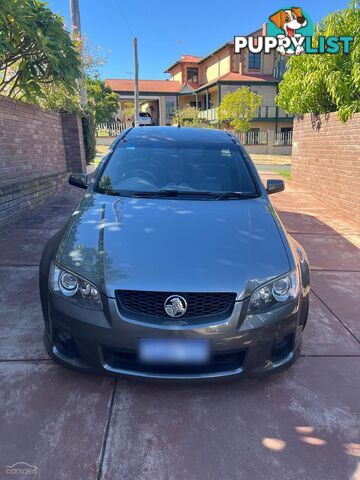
329	82
189	117
239	108
129	110
35	50
102	100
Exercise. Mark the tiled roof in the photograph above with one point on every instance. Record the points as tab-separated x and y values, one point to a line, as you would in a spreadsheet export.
189	58
237	77
233	76
125	85
184	59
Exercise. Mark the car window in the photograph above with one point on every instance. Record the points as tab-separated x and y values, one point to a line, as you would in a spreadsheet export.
193	168
144	114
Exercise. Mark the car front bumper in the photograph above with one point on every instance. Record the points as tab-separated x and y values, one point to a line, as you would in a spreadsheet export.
106	342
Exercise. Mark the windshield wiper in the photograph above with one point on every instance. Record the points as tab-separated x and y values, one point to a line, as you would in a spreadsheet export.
235	195
110	191
183	193
172	193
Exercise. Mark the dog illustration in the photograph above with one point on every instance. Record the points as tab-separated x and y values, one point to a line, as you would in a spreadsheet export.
289	21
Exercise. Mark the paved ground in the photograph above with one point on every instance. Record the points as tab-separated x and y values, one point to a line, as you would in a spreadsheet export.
266	159
302	424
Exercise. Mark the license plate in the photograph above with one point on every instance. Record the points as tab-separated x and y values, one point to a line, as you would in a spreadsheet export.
173	351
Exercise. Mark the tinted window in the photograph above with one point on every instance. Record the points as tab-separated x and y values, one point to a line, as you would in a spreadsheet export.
255	60
144	114
137	166
192	74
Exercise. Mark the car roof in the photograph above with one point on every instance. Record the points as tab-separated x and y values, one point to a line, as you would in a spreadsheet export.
178	135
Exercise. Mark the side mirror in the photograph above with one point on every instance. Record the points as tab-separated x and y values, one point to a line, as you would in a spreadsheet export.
79	180
274	186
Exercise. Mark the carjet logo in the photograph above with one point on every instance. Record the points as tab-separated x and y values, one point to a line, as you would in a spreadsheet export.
290	31
21	468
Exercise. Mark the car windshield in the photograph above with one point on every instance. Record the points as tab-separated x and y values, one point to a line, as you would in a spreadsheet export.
184	169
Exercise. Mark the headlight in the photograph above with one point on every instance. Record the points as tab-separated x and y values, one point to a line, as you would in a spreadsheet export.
273	294
74	288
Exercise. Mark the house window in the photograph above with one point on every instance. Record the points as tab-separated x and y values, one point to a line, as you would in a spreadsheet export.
207	104
192	74
286	136
193	104
280	66
255	60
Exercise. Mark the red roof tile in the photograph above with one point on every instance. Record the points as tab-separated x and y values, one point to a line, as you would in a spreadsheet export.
237	77
184	59
125	85
189	58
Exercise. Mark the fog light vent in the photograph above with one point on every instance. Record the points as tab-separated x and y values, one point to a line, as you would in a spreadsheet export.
66	344
281	348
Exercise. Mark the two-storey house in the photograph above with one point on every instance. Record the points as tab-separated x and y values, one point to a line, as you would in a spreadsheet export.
203	82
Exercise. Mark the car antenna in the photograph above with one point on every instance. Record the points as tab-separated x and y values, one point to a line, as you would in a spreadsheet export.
179	123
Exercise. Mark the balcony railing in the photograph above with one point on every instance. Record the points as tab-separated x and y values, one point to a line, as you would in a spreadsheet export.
210	114
263	112
270	112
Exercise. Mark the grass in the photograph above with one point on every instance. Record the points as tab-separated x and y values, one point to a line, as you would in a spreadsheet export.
285	173
260	158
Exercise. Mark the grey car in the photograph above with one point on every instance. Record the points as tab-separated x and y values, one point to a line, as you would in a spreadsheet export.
175	264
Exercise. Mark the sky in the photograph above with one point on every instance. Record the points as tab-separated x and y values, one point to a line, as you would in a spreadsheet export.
168	28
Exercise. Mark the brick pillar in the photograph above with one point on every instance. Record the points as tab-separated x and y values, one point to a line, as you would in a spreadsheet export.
271	138
73	142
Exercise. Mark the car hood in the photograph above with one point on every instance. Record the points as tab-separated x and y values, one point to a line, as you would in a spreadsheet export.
173	245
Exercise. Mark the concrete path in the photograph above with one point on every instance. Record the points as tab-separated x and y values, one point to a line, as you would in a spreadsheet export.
302	424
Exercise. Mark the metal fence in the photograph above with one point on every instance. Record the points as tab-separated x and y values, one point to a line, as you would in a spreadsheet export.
283	138
109	129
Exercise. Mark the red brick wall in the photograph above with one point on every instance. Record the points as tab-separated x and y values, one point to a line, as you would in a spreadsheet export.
327	160
31	142
37	150
36	143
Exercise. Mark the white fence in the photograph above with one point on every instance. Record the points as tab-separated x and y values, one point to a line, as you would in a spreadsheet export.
253	138
109	129
283	138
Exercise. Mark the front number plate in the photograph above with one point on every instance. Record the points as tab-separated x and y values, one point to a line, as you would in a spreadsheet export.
173	351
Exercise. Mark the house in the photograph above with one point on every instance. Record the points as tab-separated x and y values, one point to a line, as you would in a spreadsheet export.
203	82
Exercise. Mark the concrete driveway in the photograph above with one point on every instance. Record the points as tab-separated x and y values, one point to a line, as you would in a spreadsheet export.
300	424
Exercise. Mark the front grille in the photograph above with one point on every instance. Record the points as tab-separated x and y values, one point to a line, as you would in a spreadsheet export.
152	303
